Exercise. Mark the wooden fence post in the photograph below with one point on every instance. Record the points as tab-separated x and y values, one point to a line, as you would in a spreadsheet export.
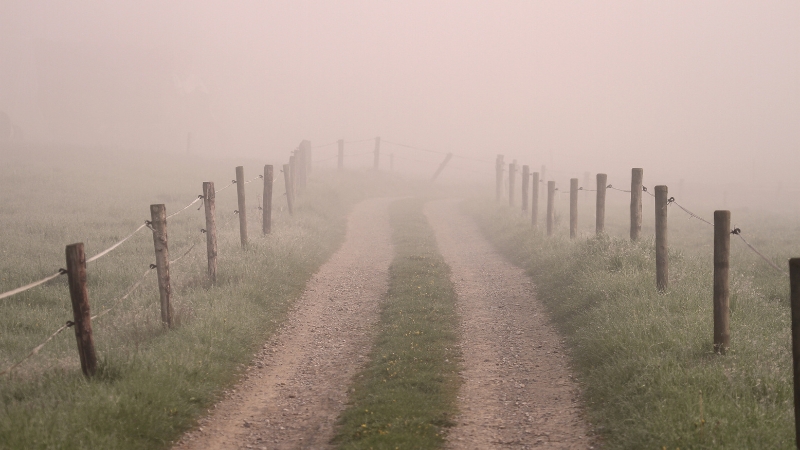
512	174
535	199
266	208
551	194
158	220
242	205
573	208
600	206
377	152
81	315
209	197
287	178
662	253
722	253
498	168
341	154
526	178
636	203
794	284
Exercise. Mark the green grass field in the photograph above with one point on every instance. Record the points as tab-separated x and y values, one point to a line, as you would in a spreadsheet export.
645	360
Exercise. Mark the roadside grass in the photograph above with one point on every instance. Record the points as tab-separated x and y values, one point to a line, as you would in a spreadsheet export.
644	359
152	384
405	397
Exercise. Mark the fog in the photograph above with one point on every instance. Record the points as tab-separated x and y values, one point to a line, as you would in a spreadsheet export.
702	91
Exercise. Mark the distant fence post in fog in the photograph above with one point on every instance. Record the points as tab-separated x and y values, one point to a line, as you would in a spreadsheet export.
636	203
341	154
535	199
600	207
377	153
526	175
551	194
794	282
498	168
242	206
209	197
722	253
573	208
287	179
662	253
81	315
158	220
512	172
266	208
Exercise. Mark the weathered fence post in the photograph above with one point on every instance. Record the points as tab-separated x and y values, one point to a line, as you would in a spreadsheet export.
535	199
287	178
341	154
636	203
242	206
158	220
573	208
600	206
209	197
551	195
377	152
722	253
498	168
794	283
81	315
662	250
512	174
266	208
526	178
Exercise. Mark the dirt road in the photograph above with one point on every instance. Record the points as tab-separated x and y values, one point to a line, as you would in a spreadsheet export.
517	389
297	385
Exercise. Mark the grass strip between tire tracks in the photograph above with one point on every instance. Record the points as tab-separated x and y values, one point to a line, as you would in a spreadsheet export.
406	395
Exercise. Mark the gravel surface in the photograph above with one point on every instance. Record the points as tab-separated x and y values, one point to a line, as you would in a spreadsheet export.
517	388
297	385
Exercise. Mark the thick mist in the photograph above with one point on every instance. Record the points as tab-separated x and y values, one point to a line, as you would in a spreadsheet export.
707	92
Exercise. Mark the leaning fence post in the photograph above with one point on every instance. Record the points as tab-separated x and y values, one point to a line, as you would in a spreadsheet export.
794	283
512	174
341	154
662	253
377	152
600	206
573	208
266	208
242	206
287	178
498	168
209	197
526	175
636	203
722	252
535	199
158	220
551	194
81	315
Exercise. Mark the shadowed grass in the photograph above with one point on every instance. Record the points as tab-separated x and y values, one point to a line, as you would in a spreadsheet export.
405	397
645	359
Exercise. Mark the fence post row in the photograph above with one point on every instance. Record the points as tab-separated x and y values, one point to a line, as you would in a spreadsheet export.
498	168
636	203
158	220
512	172
242	206
600	206
794	282
535	199
341	154
377	152
573	208
287	178
81	315
722	252
526	174
209	196
551	193
266	208
662	250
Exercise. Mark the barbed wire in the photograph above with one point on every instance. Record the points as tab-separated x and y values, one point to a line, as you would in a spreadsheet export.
32	285
738	232
325	145
671	200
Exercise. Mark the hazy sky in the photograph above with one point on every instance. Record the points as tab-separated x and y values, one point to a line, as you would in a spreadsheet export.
673	86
